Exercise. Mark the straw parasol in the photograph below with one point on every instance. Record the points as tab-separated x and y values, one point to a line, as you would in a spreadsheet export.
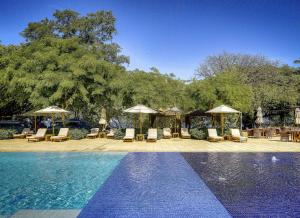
53	110
259	117
222	110
297	116
140	109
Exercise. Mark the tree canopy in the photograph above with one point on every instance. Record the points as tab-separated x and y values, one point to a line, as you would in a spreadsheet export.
71	61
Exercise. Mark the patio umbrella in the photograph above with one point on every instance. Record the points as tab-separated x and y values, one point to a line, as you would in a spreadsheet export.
259	117
102	120
140	109
53	110
297	116
222	110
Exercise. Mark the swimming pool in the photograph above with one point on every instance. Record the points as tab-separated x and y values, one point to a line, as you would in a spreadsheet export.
152	184
52	180
252	184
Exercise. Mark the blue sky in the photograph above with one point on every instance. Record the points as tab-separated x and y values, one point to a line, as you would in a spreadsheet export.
175	36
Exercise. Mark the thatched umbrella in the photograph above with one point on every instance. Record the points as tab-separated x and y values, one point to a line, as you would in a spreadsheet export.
259	117
140	109
222	110
53	110
297	116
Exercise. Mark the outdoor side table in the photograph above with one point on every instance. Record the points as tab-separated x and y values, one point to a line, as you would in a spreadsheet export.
48	136
244	134
175	134
227	137
140	137
102	134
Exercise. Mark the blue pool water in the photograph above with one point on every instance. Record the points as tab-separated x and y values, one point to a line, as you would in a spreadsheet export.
252	184
152	184
52	180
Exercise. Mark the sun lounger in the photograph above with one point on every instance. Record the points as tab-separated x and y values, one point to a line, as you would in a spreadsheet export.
152	135
94	133
111	134
185	133
62	135
167	133
236	136
129	135
213	136
23	134
284	136
40	135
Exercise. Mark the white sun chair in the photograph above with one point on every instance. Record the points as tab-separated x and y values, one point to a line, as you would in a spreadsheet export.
185	133
62	135
129	135
23	134
236	136
213	136
167	133
40	135
94	133
111	134
152	135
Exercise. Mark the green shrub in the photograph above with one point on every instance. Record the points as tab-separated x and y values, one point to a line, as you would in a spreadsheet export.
77	134
119	134
198	133
7	133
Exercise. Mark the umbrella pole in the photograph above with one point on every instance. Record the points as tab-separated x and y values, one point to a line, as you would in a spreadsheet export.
241	121
63	119
141	123
222	123
53	124
34	123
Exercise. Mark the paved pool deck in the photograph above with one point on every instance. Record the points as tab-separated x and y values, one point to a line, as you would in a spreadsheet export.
154	185
163	145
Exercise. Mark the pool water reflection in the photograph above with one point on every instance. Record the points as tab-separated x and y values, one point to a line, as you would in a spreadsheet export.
252	184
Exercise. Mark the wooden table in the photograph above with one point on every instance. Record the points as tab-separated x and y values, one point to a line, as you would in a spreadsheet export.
140	137
175	134
48	136
102	134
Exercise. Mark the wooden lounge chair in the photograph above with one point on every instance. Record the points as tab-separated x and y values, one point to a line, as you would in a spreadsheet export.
94	133
257	133
23	134
111	134
185	133
167	133
129	135
152	135
269	132
62	135
284	136
39	136
236	136
213	136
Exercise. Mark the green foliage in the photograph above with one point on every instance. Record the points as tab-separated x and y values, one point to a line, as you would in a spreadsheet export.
119	134
77	134
153	89
6	133
70	61
225	88
93	28
198	133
